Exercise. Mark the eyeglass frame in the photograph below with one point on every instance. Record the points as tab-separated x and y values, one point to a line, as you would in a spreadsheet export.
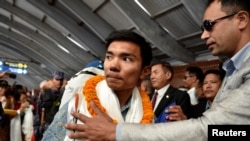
188	76
208	24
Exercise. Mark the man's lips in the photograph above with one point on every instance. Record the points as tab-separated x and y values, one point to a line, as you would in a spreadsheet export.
113	77
209	91
209	46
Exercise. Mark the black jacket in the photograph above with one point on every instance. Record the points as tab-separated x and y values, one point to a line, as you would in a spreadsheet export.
174	95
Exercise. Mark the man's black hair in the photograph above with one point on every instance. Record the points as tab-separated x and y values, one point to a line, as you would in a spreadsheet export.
129	35
233	6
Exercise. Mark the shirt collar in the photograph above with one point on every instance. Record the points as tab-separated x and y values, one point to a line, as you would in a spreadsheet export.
162	90
237	60
125	108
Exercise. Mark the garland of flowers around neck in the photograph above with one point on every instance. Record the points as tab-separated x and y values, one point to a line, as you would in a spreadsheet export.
90	95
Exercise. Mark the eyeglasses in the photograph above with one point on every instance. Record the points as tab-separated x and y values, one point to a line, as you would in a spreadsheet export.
208	24
186	77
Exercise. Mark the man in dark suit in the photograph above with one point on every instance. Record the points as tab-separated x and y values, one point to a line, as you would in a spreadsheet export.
166	95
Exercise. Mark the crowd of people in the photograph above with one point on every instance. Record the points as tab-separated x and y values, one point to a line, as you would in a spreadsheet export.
109	99
25	116
16	111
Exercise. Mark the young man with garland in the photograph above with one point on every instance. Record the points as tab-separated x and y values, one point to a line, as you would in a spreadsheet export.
226	31
126	63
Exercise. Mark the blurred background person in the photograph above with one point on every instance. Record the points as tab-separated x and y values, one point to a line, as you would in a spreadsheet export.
6	103
193	80
146	85
48	102
211	84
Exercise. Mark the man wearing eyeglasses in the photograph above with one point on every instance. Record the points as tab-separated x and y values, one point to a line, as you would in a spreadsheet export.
226	31
192	80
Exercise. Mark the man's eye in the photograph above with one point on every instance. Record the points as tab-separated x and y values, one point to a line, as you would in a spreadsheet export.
127	59
108	57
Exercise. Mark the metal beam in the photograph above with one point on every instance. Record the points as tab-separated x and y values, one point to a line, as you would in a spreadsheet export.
30	45
33	55
45	43
90	40
92	20
80	54
161	39
34	75
193	7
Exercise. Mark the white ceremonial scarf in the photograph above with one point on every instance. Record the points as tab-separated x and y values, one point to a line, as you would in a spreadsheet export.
15	128
27	126
110	102
75	83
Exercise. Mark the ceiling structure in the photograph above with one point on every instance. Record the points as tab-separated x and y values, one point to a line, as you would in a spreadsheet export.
65	35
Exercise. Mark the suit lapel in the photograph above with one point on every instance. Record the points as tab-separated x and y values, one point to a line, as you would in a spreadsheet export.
167	97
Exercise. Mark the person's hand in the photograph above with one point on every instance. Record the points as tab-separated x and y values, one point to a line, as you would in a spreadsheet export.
175	113
5	74
98	128
23	106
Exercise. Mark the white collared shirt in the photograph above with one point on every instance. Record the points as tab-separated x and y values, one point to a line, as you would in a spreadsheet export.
161	93
192	94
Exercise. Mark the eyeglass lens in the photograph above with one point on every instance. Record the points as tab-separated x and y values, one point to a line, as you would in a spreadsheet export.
208	24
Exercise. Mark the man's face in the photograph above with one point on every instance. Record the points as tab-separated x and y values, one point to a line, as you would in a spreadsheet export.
159	78
223	37
189	80
2	91
57	83
23	98
122	65
211	85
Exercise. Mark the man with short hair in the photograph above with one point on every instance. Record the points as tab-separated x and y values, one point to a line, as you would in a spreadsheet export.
193	79
167	95
226	30
212	82
50	98
48	103
127	61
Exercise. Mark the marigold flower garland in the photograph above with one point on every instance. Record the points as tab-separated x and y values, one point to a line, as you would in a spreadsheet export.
90	95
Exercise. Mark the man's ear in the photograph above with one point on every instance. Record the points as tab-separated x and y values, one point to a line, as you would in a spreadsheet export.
145	72
169	75
243	19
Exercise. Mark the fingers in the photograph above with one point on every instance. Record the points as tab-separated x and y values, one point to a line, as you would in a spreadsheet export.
93	127
84	118
175	113
174	109
75	127
79	116
78	130
99	112
77	135
95	108
174	117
